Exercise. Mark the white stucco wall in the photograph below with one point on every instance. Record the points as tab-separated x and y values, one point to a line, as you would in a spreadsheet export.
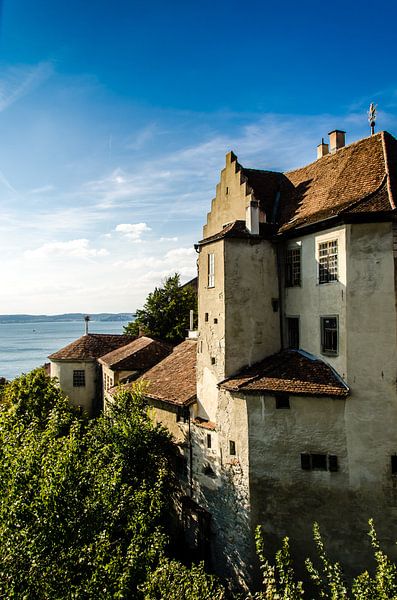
85	396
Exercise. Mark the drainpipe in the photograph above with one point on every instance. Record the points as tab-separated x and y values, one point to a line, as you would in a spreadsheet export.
280	264
187	415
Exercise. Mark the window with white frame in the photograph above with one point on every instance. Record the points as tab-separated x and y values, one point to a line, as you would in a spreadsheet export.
293	267
211	270
329	335
328	261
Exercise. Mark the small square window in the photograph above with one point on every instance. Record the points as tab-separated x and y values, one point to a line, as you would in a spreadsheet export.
213	360
79	378
329	335
209	440
282	401
319	462
232	448
215	321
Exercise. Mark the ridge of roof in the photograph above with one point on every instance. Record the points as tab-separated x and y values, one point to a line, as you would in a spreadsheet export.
91	346
140	354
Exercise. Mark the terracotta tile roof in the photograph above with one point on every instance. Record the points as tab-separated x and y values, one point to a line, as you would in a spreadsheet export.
356	179
210	425
290	371
330	185
173	380
91	346
139	355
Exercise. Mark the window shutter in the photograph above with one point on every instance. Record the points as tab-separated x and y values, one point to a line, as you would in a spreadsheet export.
305	462
332	462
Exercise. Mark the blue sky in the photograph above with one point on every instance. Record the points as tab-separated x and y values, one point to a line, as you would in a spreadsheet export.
115	118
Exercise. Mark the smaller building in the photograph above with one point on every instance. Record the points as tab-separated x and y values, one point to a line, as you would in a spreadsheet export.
128	362
77	369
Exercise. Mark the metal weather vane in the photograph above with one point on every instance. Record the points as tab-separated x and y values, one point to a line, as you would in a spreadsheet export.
372	116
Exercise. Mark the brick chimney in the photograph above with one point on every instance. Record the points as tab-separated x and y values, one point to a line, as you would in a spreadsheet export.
336	139
322	149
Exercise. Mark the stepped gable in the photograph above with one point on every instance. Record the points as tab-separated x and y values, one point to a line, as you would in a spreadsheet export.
360	178
91	346
292	372
140	354
173	380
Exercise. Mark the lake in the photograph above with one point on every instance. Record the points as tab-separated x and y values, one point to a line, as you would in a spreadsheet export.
24	346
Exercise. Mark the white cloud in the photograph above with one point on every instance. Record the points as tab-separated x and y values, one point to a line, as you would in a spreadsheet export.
72	248
168	239
133	231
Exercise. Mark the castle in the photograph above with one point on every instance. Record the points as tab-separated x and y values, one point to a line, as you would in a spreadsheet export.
284	402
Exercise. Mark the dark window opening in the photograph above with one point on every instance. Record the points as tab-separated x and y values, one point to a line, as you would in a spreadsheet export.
213	360
329	335
79	378
293	267
319	462
394	464
232	448
282	401
209	471
328	261
215	321
275	304
293	332
209	440
206	317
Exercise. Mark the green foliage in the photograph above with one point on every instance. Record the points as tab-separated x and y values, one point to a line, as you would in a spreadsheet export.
278	579
174	581
165	314
329	580
80	501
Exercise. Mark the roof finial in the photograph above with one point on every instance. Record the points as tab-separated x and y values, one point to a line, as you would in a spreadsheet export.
372	116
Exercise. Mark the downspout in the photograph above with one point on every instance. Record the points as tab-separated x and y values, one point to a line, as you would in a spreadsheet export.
187	415
280	263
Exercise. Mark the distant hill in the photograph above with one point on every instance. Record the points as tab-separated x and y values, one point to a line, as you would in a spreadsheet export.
66	317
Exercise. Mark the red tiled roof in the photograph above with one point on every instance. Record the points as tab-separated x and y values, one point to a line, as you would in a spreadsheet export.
173	380
358	178
91	346
140	355
290	371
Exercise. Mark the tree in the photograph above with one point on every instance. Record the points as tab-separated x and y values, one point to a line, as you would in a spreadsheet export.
166	312
82	503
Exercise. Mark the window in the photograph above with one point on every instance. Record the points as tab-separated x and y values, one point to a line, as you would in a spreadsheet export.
329	335
209	441
293	332
206	317
79	378
319	462
282	401
293	267
213	360
232	448
328	261
211	270
394	464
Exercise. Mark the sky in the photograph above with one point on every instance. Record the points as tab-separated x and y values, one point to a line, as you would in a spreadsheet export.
115	118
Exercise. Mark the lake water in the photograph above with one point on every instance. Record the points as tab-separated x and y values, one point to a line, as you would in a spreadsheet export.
24	346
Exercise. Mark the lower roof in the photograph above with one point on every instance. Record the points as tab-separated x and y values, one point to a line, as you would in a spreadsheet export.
292	372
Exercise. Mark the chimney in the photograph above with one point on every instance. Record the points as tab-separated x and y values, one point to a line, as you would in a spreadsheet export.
336	139
252	217
322	149
87	318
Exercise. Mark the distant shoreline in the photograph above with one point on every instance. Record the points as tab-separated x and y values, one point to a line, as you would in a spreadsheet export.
66	317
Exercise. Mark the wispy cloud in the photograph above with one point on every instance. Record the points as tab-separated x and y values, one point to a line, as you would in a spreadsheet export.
18	81
72	249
